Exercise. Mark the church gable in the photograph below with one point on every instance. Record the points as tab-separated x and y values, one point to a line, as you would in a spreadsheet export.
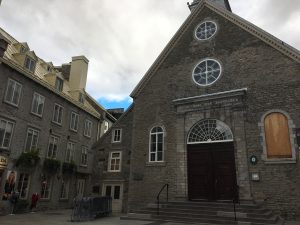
232	43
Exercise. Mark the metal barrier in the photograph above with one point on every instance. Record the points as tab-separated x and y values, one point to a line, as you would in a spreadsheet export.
90	208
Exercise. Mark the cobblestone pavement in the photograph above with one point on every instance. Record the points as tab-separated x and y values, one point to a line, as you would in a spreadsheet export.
62	217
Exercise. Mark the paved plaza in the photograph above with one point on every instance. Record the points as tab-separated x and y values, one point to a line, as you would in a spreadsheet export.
62	217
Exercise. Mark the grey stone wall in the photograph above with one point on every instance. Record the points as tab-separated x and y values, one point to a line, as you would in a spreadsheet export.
272	82
104	146
23	119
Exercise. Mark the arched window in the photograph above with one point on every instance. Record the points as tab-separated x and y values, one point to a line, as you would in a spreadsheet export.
277	136
156	152
207	131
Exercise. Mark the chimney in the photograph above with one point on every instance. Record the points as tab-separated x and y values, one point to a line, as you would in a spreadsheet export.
78	73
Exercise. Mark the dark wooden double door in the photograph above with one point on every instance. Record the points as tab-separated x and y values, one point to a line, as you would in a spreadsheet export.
211	172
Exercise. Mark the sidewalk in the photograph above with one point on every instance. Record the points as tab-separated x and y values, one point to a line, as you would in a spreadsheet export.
62	217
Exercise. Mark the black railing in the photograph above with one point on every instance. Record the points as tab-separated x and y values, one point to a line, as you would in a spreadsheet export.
157	197
235	200
89	208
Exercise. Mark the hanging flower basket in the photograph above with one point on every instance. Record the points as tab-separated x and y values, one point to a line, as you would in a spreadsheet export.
51	165
28	159
69	168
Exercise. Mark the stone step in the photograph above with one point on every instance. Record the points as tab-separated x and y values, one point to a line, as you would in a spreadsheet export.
199	221
209	213
185	211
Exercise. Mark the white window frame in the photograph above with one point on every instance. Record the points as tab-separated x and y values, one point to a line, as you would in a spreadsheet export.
65	187
106	126
117	138
40	100
70	153
206	73
21	185
156	134
112	161
10	99
205	24
54	141
74	120
57	118
88	125
5	133
48	191
35	133
84	156
31	65
112	190
59	84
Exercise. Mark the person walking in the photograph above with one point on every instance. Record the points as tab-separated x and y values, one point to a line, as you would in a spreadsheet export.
34	200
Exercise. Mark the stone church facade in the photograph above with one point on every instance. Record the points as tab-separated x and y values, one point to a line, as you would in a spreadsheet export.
216	117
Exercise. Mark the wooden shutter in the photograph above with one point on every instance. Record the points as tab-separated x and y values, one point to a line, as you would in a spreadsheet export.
277	136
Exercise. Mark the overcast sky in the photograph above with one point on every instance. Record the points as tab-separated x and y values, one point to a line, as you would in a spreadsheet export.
123	38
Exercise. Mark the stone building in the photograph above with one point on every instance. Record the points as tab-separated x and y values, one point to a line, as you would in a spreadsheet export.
46	115
216	117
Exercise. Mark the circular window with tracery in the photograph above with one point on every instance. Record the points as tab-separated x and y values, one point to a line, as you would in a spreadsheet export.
206	30
209	131
207	72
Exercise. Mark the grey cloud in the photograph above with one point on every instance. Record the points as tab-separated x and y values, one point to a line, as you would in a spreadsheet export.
121	39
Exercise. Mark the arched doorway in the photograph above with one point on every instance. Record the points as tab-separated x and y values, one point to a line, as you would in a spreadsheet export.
211	162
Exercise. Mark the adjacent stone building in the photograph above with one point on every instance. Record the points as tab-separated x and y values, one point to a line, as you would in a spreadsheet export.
216	117
48	123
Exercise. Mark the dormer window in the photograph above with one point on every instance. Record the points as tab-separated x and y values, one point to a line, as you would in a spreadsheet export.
29	64
49	68
23	49
59	83
81	97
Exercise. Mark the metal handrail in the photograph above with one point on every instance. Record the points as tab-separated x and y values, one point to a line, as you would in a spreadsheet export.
235	200
158	195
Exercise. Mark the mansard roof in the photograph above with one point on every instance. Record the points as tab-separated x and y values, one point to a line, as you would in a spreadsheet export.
240	22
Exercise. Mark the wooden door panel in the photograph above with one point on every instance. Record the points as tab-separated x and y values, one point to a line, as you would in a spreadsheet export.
211	171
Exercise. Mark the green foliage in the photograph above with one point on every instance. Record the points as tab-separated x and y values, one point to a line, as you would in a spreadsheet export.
69	168
28	159
51	165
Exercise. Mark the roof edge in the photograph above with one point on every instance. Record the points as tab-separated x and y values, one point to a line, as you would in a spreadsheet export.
266	37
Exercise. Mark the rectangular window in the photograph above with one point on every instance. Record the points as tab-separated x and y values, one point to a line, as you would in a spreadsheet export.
64	191
117	135
45	188
37	104
29	63
57	114
31	140
6	130
74	121
84	156
52	148
13	92
23	185
113	191
59	84
114	162
87	128
70	152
